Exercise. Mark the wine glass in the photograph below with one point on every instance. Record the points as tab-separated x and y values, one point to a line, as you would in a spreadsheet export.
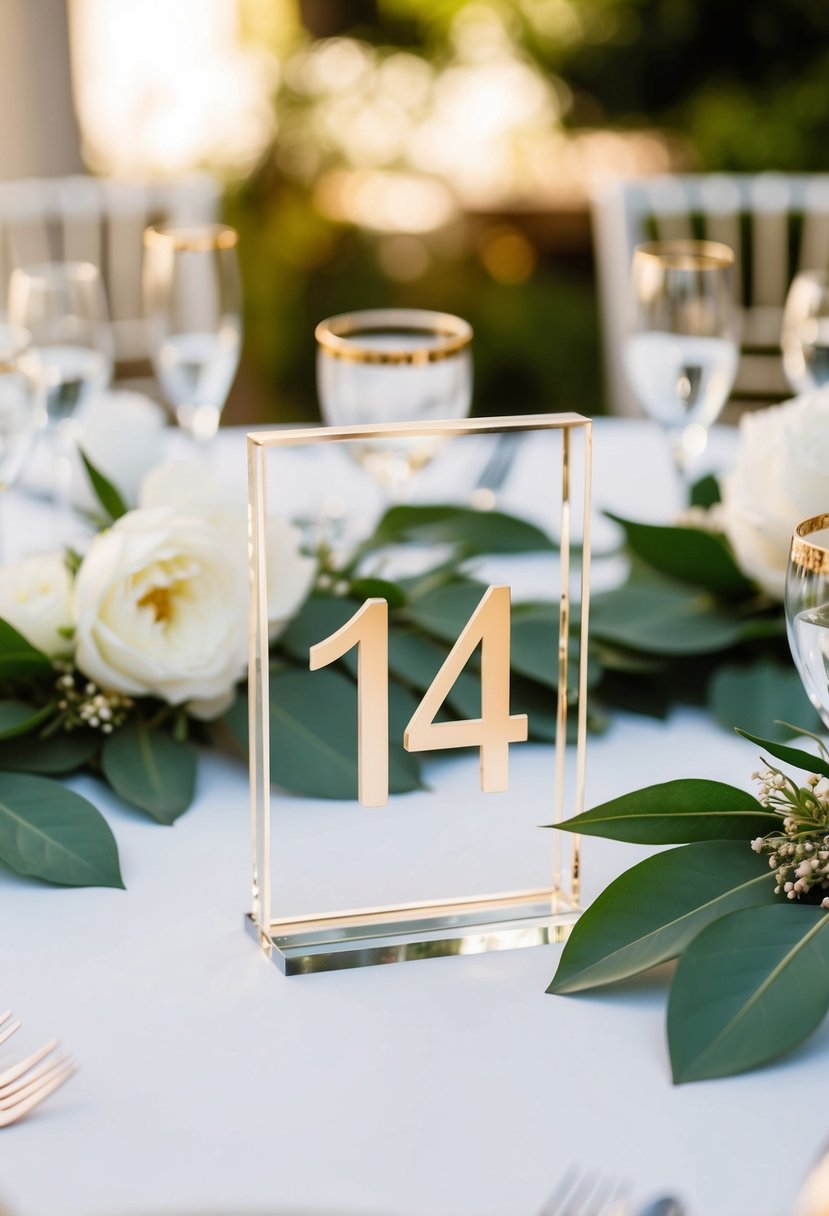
63	306
393	365
681	351
805	336
21	403
192	303
807	608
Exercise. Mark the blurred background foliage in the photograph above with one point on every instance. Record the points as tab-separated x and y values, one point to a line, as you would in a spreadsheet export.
441	154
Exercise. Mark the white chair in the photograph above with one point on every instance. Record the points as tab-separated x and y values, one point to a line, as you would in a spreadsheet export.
99	220
775	224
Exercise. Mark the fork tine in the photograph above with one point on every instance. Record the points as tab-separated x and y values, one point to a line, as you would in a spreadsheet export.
17	1070
22	1108
557	1203
28	1084
9	1031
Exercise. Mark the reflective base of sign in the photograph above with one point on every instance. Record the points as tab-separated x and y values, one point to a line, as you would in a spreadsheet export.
392	935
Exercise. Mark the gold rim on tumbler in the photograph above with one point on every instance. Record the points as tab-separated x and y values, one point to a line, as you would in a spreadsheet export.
198	238
807	554
340	336
687	254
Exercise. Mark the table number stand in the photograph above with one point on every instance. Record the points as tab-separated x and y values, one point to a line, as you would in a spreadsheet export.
399	932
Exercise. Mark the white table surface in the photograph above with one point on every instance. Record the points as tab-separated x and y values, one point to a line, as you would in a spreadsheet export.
450	1087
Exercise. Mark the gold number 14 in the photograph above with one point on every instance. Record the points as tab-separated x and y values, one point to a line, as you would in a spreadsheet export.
492	733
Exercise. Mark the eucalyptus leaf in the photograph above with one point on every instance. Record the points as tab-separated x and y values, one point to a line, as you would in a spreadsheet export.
475	531
750	987
416	660
688	555
17	718
790	755
753	695
52	833
651	912
378	588
105	491
321	616
676	812
445	611
150	770
62	752
18	658
661	618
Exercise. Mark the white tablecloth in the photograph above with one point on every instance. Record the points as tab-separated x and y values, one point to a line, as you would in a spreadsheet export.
452	1087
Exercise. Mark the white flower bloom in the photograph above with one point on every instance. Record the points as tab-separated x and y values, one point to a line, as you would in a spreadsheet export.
160	609
35	599
123	435
189	486
781	476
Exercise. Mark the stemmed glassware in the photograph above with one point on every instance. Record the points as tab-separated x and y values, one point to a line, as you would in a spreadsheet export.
682	348
393	365
807	609
193	308
21	403
63	306
805	336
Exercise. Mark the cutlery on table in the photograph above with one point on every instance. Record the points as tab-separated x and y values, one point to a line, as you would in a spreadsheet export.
25	1085
585	1193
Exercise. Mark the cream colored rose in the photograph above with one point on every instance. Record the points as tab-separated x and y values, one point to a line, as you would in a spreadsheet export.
189	486
160	606
781	477
35	599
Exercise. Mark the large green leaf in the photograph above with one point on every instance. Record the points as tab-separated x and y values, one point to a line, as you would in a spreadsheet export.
321	616
475	531
105	491
313	737
790	755
651	912
18	658
676	812
17	718
50	832
150	770
663	619
753	696
62	752
750	987
416	660
445	611
688	555
706	492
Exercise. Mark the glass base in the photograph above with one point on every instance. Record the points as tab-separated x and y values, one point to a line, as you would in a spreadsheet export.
398	935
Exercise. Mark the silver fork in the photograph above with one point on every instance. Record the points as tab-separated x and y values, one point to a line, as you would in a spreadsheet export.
584	1193
24	1086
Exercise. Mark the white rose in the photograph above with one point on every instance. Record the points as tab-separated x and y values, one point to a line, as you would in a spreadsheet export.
122	433
189	486
160	609
35	599
780	478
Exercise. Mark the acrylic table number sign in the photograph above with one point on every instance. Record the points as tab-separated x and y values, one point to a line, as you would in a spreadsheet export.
448	717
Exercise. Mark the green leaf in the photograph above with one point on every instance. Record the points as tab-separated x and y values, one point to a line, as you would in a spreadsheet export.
790	755
753	696
321	616
676	812
663	619
150	770
475	531
20	660
62	752
313	737
651	912
378	588
445	611
706	492
688	555
17	718
50	832
105	491
416	660
750	987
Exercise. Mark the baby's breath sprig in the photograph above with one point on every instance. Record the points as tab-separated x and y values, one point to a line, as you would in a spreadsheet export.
82	703
799	854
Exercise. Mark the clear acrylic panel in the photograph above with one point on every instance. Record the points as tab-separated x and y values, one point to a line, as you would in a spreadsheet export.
480	741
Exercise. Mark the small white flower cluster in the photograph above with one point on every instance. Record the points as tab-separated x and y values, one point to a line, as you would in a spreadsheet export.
82	703
800	853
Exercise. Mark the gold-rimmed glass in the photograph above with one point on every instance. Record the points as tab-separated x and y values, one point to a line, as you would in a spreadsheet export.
805	335
394	365
807	608
193	308
682	349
